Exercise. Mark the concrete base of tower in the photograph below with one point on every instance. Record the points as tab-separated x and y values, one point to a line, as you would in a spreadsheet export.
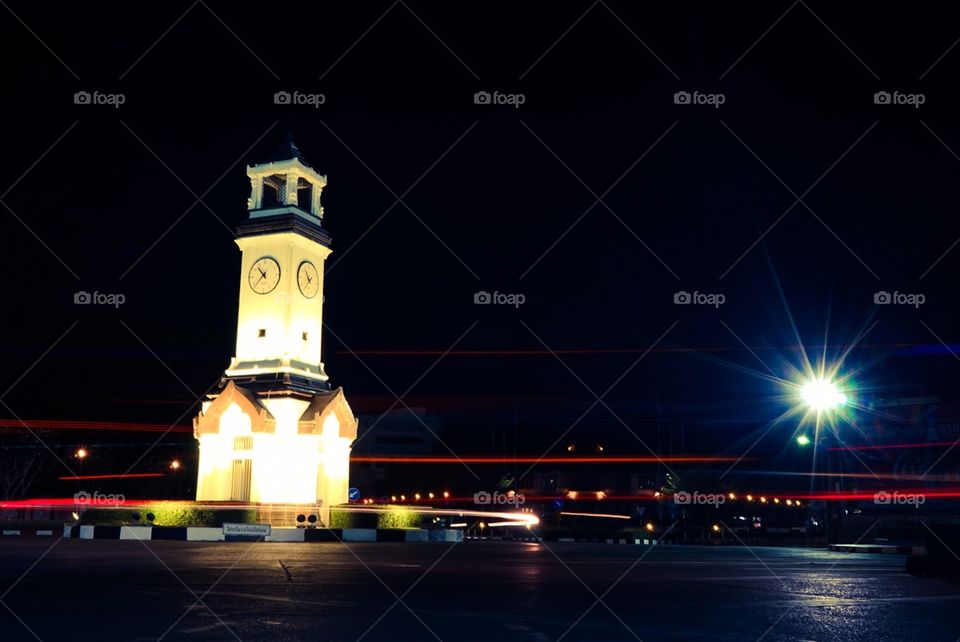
275	447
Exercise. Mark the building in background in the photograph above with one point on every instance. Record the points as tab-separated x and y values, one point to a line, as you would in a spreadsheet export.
397	433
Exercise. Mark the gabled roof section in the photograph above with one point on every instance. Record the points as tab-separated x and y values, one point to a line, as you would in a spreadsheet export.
322	406
209	421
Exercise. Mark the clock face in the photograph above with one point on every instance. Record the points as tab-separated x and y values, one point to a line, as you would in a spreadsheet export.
264	275
308	280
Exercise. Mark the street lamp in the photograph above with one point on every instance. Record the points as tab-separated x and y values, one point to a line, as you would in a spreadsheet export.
822	394
823	399
81	453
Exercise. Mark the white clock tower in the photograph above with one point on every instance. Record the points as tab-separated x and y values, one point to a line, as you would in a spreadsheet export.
277	433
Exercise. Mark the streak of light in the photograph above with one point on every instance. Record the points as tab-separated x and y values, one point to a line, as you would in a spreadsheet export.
516	519
607	515
543	460
927	493
57	424
894	476
117	476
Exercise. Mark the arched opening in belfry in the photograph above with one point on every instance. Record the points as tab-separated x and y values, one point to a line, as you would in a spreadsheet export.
272	189
304	195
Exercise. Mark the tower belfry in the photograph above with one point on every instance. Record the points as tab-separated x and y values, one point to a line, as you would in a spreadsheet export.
278	432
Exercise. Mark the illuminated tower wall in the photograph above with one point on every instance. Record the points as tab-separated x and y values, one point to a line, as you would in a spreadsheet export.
277	432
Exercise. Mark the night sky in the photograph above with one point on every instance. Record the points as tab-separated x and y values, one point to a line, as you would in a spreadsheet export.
432	198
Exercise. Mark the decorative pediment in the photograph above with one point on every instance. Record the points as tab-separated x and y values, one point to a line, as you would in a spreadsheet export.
329	409
209	422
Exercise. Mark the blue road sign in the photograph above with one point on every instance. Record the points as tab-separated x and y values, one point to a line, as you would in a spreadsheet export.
558	503
353	494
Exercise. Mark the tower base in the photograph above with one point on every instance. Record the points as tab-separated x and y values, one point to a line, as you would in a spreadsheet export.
275	447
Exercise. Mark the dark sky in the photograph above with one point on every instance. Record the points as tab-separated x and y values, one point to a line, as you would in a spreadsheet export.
500	198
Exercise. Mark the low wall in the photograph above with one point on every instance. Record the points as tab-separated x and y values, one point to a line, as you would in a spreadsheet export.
208	534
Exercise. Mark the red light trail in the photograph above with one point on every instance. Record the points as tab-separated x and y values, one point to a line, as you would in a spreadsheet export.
893	476
118	476
57	424
927	493
542	460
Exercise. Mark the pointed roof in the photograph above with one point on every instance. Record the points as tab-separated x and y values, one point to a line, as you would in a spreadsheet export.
324	404
286	150
209	421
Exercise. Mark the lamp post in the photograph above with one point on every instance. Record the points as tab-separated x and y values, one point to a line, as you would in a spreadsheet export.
80	455
175	468
822	397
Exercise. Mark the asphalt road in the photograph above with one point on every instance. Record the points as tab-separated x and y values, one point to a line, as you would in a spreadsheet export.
110	590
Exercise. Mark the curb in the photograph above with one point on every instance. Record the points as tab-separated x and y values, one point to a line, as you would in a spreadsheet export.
26	532
873	548
210	534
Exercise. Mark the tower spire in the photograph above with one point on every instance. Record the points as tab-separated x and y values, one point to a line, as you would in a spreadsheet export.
286	150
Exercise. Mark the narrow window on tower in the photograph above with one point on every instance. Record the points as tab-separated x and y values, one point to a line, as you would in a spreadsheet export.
304	336
262	332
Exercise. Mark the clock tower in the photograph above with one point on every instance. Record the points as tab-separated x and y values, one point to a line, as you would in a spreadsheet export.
278	432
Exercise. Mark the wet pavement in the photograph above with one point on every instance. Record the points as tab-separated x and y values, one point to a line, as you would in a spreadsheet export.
470	591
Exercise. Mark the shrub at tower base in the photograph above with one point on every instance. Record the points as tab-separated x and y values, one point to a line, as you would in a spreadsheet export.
168	514
388	517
